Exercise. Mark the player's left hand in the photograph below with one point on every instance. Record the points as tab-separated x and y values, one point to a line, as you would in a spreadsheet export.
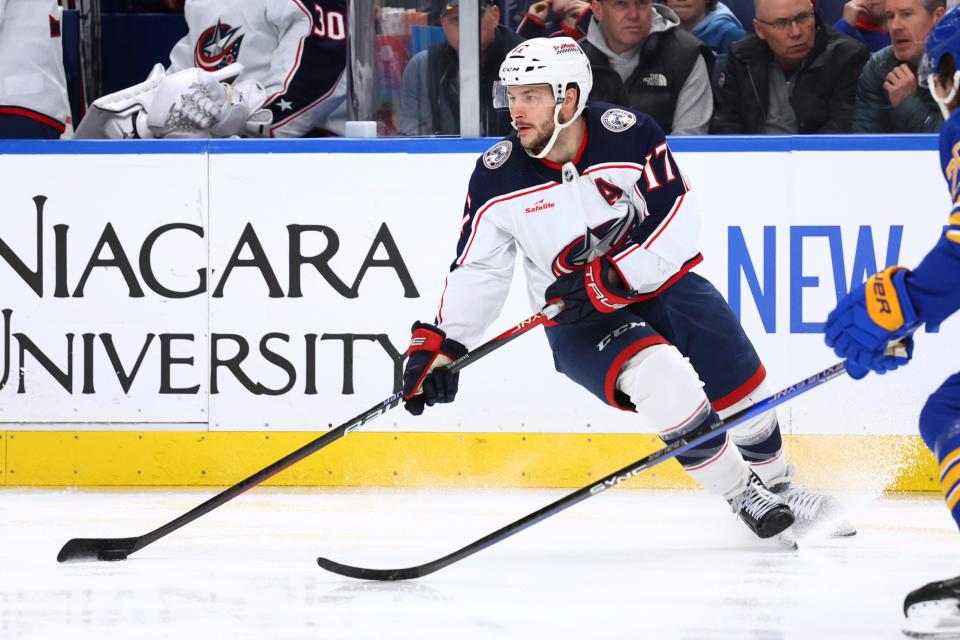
868	319
590	294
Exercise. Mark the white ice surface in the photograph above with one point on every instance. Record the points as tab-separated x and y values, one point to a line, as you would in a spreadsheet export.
626	564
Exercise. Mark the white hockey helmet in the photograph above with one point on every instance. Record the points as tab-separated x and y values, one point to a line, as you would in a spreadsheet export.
555	62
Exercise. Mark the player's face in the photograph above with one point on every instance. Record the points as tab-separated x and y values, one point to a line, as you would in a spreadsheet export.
531	108
626	23
788	27
909	23
689	11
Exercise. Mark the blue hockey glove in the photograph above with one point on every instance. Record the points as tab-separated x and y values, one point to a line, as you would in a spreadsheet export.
425	379
871	317
589	294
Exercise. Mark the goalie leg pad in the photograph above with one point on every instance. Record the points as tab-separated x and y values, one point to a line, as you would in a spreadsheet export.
669	399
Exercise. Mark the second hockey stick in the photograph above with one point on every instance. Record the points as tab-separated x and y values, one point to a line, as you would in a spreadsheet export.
120	548
589	491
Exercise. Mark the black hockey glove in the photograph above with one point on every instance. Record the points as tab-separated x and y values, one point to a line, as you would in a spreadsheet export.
425	379
590	294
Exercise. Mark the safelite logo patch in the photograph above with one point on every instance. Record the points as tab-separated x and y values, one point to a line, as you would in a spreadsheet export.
538	206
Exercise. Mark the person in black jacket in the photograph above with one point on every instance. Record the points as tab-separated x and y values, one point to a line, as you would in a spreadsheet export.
795	75
430	92
641	59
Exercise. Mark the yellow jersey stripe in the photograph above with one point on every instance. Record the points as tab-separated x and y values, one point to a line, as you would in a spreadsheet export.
952	498
948	461
950	480
953	236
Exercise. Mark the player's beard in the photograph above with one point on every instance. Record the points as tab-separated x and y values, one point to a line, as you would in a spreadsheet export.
543	137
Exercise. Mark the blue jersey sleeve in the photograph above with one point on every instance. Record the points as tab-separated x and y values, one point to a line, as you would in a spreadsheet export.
934	286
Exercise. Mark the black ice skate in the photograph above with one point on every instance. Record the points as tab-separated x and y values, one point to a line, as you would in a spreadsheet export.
810	509
933	610
764	512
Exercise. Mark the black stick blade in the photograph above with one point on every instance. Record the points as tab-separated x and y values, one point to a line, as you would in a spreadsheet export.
97	549
373	574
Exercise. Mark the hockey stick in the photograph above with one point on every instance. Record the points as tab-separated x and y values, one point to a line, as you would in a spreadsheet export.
120	548
589	491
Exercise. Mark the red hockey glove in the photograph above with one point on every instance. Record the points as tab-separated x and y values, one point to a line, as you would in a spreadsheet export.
425	379
588	295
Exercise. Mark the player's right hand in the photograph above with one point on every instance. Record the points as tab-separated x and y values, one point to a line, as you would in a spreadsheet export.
589	294
426	381
871	317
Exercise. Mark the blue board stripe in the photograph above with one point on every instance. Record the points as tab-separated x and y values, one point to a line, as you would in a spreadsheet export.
689	144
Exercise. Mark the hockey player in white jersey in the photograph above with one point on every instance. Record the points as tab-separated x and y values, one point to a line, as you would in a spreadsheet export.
33	85
638	329
258	68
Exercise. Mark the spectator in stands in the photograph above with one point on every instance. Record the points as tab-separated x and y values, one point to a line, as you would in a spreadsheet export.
794	75
863	20
888	98
711	21
290	80
643	60
33	85
430	94
556	18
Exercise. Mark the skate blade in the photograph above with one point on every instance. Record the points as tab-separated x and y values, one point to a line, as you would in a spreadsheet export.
933	619
788	540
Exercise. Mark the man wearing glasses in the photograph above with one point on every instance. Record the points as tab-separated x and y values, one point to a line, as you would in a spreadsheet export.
795	75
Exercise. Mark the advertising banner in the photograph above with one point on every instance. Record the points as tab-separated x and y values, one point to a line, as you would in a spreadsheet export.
275	291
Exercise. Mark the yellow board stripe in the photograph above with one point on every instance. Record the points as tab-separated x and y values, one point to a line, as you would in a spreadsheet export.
129	458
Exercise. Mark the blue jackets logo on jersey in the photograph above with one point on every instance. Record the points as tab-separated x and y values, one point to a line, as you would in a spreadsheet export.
596	242
218	47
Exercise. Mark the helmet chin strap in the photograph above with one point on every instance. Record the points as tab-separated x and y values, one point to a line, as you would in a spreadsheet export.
946	100
557	127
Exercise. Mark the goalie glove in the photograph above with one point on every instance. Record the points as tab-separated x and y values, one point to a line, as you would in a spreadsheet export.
194	103
589	295
426	381
871	318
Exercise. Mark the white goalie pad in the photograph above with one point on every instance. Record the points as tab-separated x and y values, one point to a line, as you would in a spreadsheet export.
191	103
121	114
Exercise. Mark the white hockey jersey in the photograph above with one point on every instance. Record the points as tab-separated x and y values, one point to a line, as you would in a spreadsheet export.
296	48
622	196
32	81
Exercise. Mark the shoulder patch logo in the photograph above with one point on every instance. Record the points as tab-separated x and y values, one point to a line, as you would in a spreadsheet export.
617	120
497	154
